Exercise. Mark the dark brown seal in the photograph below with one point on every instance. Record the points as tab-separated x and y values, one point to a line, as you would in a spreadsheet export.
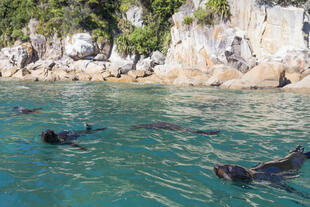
67	136
22	110
270	171
173	127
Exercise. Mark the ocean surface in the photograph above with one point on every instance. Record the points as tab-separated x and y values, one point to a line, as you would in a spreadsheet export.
147	167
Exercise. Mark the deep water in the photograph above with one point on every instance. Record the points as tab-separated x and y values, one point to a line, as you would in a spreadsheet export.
146	167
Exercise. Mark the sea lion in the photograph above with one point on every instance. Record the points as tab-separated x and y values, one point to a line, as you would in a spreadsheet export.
273	171
66	136
22	110
173	127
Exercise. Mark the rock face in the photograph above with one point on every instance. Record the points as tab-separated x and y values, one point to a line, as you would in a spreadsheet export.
18	56
270	28
135	16
265	75
79	46
50	48
198	46
221	74
253	33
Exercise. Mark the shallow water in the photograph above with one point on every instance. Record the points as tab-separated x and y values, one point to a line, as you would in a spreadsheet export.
143	167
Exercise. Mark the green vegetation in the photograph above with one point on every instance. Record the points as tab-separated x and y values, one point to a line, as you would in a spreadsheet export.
154	34
14	15
125	5
64	17
102	18
59	17
204	17
188	20
215	10
219	7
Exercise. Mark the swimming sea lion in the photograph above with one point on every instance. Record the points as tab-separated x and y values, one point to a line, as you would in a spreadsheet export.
67	136
273	171
22	110
173	127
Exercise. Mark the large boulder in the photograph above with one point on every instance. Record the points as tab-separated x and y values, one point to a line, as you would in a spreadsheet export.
80	65
41	64
238	84
7	73
158	58
303	85
46	48
221	74
38	42
18	56
135	16
183	76
21	73
265	75
152	79
122	79
79	46
145	64
121	63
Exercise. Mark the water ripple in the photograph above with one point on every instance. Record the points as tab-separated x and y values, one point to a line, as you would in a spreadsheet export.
146	167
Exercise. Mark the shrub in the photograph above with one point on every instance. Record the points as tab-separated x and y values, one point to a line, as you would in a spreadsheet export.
220	7
141	41
204	17
188	20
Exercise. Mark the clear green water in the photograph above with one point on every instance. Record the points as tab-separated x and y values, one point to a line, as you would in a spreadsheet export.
124	167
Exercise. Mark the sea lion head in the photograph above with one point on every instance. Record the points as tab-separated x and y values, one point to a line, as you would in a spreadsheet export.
49	136
232	172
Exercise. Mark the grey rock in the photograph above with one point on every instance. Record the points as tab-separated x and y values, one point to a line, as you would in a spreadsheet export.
158	58
38	42
100	57
18	56
124	69
135	16
79	46
145	64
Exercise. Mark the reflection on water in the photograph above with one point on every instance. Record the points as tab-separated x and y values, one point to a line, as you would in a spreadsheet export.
143	167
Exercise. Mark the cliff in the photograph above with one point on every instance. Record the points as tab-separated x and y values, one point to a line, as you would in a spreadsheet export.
259	46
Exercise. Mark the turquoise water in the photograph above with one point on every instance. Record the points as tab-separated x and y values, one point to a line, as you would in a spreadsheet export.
144	167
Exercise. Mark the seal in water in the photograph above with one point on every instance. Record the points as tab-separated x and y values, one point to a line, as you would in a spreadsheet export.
67	136
273	171
173	127
22	110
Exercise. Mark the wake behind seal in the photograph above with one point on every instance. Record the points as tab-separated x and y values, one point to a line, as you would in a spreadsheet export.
173	127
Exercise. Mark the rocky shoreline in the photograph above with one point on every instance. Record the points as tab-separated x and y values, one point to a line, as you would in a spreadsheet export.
289	75
259	48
